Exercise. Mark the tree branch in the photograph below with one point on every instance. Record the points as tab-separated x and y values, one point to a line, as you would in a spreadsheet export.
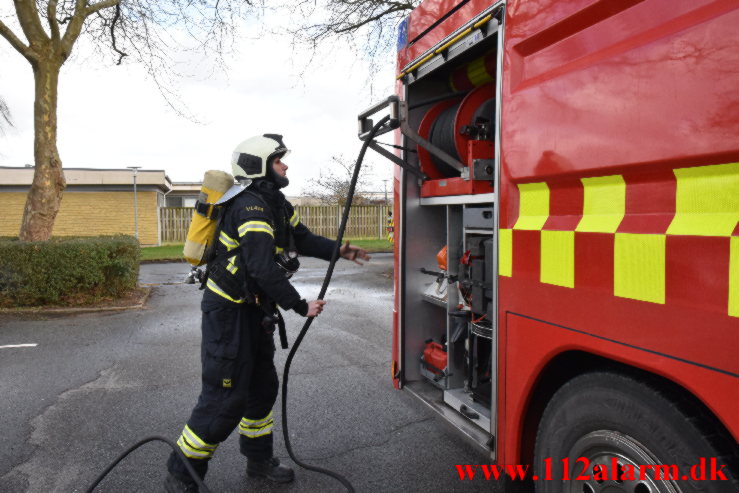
16	43
30	21
81	12
356	26
51	18
4	115
112	34
102	5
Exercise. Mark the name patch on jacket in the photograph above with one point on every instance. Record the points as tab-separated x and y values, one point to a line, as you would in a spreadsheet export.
254	208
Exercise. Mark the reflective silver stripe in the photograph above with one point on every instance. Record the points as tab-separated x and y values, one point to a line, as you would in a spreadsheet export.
256	226
229	242
256	422
252	432
193	446
252	428
231	267
192	452
196	440
294	220
255	434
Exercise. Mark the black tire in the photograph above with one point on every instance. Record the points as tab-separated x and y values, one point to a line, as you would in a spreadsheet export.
605	416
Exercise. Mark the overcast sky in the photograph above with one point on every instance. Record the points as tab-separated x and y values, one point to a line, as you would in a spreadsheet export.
114	117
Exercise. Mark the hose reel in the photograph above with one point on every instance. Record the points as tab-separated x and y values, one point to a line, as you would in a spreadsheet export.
461	127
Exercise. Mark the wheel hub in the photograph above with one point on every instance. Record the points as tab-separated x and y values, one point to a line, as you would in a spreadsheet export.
606	461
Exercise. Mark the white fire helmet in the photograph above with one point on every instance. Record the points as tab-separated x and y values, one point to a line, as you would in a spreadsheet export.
251	157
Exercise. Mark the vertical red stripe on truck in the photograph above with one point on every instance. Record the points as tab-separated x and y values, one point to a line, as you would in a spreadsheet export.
697	273
594	261
650	202
526	254
565	205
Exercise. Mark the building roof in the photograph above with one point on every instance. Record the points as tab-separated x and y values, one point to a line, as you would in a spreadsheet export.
23	176
186	188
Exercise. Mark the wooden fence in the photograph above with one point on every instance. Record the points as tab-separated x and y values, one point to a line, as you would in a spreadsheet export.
365	221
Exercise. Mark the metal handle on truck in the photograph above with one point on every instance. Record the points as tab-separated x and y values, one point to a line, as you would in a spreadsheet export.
366	124
399	119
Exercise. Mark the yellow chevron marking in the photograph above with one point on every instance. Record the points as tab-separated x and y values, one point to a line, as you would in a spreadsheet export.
604	204
707	201
734	277
639	267
534	206
505	252
558	258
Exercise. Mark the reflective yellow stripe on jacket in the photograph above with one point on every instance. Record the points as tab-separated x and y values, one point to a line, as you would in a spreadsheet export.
214	287
227	241
256	226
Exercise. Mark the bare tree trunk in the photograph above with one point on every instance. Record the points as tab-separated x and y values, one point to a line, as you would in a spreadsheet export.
45	196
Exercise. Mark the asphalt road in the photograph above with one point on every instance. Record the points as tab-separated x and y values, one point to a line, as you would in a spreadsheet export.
97	383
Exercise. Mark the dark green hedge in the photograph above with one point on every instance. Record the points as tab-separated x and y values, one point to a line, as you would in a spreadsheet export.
67	270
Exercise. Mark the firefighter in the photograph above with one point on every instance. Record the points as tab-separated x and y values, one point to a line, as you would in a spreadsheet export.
258	242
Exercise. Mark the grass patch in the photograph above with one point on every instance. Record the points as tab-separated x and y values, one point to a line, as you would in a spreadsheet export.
373	245
174	251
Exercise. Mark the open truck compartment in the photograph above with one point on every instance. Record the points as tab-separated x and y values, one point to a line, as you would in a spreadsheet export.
448	116
448	338
451	312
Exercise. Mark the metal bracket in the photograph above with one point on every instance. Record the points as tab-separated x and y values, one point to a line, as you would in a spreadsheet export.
399	119
366	123
491	443
483	169
392	157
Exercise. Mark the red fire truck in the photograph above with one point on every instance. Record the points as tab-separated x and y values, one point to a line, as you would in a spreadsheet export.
566	238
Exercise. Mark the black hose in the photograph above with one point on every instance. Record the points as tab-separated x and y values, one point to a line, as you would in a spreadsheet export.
195	476
324	288
442	134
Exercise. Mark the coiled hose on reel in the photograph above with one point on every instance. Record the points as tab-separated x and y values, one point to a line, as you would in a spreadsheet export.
442	136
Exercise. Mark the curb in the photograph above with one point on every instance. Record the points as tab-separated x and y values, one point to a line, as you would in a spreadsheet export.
163	261
75	310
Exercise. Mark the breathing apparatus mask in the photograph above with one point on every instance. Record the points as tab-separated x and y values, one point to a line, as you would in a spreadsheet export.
288	261
279	180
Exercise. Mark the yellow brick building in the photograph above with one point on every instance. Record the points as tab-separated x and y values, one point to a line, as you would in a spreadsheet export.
96	202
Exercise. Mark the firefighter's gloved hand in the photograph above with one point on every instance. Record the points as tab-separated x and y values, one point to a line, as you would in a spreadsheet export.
315	307
351	252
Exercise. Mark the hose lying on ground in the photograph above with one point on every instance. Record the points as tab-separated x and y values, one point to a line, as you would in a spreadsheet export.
195	476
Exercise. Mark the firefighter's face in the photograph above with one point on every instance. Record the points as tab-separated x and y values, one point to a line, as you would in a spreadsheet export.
279	167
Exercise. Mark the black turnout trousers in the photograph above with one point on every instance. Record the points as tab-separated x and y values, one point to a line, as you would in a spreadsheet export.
239	382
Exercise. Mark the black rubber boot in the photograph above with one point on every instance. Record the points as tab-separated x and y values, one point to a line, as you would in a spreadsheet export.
176	484
270	469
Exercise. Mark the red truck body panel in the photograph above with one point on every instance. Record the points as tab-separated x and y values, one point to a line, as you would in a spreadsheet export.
636	101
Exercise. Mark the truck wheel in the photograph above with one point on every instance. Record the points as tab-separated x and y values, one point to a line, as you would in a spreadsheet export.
599	426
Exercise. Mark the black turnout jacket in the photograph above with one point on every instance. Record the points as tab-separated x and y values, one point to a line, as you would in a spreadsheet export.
256	226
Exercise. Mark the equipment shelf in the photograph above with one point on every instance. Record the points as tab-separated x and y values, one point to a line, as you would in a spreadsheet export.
481	198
